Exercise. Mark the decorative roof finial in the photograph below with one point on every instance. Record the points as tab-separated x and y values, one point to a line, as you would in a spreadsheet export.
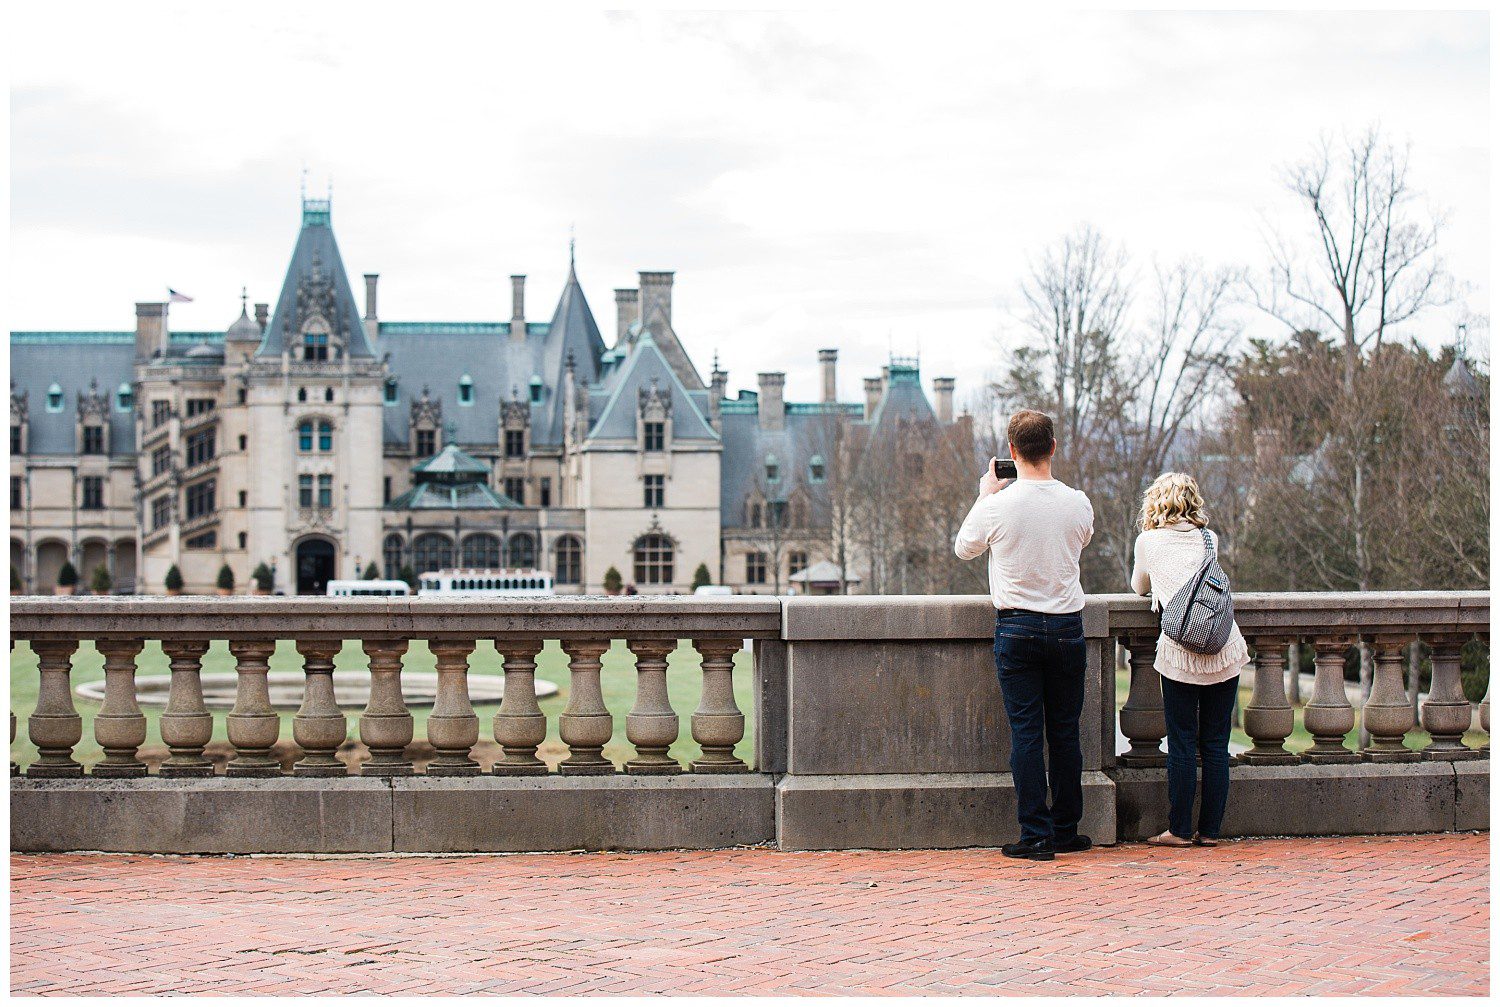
244	300
572	240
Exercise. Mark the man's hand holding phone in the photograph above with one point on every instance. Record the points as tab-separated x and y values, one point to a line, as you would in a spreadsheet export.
998	474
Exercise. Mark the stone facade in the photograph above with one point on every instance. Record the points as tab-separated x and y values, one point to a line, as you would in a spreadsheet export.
293	439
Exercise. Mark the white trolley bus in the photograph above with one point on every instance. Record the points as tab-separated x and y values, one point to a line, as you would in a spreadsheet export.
367	588
488	583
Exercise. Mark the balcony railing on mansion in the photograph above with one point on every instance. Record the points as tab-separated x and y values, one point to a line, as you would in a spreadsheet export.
851	695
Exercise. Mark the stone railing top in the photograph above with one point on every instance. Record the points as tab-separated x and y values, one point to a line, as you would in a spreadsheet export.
1289	614
242	617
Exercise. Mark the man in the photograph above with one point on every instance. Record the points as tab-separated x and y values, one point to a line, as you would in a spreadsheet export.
1035	528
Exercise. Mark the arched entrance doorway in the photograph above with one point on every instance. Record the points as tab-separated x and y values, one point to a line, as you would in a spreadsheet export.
315	566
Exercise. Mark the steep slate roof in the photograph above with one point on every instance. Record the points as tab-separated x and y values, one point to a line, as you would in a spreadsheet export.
574	332
315	256
451	480
437	356
903	399
615	418
72	360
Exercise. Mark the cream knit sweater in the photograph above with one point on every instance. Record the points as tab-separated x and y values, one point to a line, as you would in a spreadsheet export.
1165	559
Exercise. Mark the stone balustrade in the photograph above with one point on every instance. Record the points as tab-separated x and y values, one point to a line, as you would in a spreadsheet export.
878	723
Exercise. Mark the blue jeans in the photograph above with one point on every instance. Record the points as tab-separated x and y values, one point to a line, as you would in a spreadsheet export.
1198	718
1041	660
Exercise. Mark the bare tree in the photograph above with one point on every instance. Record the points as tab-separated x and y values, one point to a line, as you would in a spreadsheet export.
831	438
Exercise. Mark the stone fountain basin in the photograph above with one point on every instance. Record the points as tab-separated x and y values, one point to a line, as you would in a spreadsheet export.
351	689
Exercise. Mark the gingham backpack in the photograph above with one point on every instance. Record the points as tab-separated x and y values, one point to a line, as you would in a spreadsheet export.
1200	615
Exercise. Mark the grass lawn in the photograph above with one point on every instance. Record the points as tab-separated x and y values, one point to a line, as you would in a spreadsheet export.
617	679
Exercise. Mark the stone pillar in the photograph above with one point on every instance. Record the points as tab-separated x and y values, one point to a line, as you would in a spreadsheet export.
828	362
318	727
54	725
1294	673
1268	716
452	727
1328	716
119	726
942	394
874	389
1142	718
770	404
186	725
627	310
1447	714
252	724
718	724
651	726
386	726
520	725
586	725
1388	711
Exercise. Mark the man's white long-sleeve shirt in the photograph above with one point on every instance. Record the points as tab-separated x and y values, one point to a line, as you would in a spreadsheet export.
1035	530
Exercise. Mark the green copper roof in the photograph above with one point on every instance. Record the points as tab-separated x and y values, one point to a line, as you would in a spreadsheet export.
452	496
457	328
451	462
101	338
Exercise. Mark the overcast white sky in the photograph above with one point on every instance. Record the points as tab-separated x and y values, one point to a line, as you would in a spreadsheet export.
858	180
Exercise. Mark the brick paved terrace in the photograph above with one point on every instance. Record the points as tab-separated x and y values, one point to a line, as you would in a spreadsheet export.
1397	915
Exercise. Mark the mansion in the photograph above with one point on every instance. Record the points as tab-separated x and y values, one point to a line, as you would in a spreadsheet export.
318	439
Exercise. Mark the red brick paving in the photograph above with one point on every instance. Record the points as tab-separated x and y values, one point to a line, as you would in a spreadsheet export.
1394	915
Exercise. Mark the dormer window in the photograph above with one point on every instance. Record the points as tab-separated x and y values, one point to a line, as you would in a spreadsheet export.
815	469
426	443
773	469
125	398
93	440
315	346
536	388
392	392
466	391
54	398
655	435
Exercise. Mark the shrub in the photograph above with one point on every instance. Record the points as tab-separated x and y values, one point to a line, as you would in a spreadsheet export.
612	581
174	579
263	578
372	572
67	576
100	583
226	578
15	578
409	575
701	577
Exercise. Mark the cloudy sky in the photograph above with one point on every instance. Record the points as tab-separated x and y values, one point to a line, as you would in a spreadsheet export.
876	184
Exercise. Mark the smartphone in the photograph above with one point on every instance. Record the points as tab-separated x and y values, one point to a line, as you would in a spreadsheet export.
1005	468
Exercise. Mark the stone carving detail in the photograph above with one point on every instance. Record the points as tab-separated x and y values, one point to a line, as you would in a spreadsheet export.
655	404
426	410
19	408
318	307
515	414
92	403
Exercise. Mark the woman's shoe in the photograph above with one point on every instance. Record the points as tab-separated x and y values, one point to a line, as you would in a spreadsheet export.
1168	839
1201	840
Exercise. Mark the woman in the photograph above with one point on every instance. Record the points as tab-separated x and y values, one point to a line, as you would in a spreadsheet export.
1197	690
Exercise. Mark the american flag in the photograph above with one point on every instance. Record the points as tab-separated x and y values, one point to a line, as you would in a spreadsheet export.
173	297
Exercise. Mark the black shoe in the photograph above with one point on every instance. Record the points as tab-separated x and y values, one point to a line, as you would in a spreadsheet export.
1036	849
1075	845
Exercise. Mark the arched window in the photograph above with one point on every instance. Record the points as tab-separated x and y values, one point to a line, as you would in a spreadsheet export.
466	391
569	565
536	388
653	559
481	551
431	552
125	397
773	469
392	550
521	551
328	395
54	398
815	469
302	395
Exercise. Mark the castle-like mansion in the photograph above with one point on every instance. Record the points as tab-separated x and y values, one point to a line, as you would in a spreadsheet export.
318	439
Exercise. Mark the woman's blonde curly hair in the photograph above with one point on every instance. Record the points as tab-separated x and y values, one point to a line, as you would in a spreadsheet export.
1173	497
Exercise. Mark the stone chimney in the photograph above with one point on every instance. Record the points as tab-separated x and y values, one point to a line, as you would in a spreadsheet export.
942	391
150	329
828	362
874	387
518	307
627	311
718	384
262	315
372	280
656	297
770	406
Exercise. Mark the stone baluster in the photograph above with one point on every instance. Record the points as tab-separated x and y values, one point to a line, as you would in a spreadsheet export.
119	726
1142	718
651	726
15	769
386	725
1329	716
319	727
718	725
54	726
586	725
1268	716
1388	711
1446	714
520	725
186	725
452	727
252	724
1484	718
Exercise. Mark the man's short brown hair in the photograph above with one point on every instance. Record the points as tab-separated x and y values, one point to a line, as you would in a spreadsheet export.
1030	435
